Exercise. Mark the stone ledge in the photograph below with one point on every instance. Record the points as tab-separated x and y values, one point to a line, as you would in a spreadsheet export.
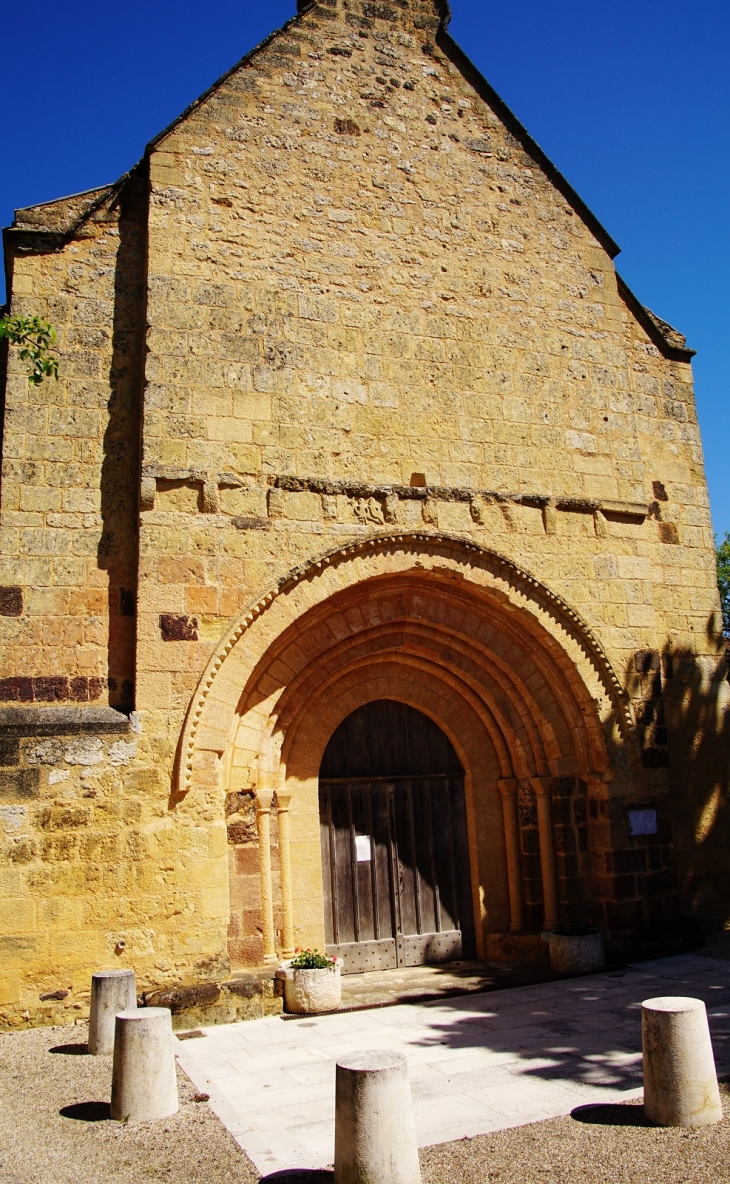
61	721
247	996
357	489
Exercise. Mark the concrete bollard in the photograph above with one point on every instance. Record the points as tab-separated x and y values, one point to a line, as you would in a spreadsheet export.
111	991
144	1083
375	1136
680	1082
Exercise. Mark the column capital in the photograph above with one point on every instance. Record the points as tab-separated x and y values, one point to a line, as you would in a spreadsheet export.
596	783
507	786
264	798
542	786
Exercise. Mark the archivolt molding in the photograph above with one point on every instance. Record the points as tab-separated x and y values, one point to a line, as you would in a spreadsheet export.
432	545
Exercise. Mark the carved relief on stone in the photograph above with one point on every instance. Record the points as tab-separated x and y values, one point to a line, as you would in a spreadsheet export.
550	519
600	525
275	503
508	515
430	511
478	509
210	503
369	511
392	505
329	507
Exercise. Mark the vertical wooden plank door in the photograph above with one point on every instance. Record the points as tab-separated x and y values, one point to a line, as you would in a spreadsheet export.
395	854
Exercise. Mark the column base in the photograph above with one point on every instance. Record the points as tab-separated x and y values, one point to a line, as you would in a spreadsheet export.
521	948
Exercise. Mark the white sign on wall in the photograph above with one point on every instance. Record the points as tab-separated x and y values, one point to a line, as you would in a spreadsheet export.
363	848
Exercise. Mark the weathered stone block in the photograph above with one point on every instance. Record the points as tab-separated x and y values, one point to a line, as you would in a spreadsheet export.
19	784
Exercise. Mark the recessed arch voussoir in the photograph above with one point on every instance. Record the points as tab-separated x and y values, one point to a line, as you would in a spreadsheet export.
566	644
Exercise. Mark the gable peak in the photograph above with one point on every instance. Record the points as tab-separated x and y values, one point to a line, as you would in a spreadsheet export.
420	16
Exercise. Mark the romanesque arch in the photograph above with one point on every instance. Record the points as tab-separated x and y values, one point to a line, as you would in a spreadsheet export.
506	669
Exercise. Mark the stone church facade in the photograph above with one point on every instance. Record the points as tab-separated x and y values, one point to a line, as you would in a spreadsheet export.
354	415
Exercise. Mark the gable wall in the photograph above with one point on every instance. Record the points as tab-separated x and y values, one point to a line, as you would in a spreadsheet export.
407	299
414	299
360	282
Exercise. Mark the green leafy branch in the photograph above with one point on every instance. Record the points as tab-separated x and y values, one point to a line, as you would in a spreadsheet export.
722	551
36	339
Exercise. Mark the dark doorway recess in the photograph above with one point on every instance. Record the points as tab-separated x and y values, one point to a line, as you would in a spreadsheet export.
395	853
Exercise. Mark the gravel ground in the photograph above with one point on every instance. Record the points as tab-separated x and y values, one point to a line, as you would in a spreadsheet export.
55	1126
55	1129
612	1145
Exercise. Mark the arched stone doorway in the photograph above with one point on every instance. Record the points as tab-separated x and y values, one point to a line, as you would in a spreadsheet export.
508	671
396	879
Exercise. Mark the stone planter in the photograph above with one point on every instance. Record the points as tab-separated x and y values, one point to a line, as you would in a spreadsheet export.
577	955
307	992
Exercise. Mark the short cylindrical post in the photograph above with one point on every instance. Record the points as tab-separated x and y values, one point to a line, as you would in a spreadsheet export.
111	991
375	1136
680	1081
144	1083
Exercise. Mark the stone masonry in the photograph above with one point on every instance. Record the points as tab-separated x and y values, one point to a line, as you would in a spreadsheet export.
343	346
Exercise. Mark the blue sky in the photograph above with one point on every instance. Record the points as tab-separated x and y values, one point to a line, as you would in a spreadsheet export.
630	99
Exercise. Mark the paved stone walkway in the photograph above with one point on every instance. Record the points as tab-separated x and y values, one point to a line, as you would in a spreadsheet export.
477	1064
421	984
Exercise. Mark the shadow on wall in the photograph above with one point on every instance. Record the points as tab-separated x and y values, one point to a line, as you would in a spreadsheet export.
682	705
117	551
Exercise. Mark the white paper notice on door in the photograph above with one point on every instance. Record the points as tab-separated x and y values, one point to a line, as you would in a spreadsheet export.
363	848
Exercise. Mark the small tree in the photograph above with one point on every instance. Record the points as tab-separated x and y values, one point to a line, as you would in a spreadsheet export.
722	551
36	339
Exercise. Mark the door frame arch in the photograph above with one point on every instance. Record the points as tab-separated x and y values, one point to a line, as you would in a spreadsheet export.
412	902
444	613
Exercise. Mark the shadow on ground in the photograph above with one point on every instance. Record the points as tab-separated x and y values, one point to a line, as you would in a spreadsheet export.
589	1032
300	1176
71	1050
422	984
611	1114
87	1111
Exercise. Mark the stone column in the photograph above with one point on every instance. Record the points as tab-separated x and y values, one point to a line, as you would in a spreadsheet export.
264	798
283	799
144	1082
111	991
680	1081
507	787
599	842
375	1135
542	787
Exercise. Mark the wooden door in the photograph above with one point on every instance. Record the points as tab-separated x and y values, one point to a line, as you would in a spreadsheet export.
395	855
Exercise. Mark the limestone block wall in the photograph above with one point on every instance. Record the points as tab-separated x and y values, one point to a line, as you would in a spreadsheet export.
344	295
68	570
95	872
355	280
361	273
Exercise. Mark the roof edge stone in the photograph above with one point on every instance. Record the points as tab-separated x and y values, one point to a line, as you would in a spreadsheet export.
668	340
